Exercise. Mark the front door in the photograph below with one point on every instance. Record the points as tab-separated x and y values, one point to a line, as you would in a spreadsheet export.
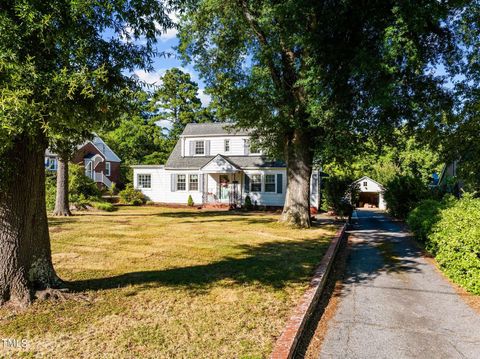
224	190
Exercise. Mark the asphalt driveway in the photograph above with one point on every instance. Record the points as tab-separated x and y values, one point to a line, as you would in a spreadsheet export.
394	303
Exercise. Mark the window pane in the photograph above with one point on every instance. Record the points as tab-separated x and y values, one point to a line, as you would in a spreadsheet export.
199	147
227	145
181	182
269	183
193	185
144	181
256	183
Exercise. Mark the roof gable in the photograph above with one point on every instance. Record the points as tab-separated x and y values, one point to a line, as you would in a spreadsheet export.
366	178
220	164
105	150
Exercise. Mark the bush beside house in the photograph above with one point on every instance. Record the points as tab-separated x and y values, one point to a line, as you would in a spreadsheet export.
340	195
131	196
83	192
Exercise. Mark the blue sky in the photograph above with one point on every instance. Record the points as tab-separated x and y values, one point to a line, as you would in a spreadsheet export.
166	43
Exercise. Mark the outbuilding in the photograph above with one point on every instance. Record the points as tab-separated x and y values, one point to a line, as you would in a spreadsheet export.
371	193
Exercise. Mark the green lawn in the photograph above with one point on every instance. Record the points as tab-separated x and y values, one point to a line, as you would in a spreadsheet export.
162	282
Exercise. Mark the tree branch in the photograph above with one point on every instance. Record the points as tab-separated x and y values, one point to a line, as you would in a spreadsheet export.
262	38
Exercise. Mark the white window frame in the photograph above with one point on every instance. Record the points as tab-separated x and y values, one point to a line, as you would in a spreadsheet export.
144	180
190	182
184	182
274	183
108	168
195	148
226	145
252	182
365	184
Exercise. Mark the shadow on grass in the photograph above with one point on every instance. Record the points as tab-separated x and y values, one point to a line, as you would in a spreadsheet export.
273	264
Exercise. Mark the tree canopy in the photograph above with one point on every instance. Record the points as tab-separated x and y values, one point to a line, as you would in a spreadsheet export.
148	133
63	71
316	78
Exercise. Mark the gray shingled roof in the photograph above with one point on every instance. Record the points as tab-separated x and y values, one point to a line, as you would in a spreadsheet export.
176	161
211	128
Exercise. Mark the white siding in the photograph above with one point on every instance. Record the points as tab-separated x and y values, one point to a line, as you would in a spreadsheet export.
161	189
217	145
267	198
372	186
161	186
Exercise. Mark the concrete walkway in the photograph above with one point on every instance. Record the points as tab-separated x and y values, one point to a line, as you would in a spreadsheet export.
394	304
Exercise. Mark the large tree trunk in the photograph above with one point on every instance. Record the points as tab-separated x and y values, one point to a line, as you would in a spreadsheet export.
25	255
62	205
299	158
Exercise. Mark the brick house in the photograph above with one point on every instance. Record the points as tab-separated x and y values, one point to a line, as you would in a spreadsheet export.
101	164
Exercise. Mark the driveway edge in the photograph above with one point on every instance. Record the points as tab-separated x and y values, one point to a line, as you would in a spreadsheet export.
286	344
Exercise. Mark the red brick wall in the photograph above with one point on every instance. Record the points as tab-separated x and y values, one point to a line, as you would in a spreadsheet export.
90	149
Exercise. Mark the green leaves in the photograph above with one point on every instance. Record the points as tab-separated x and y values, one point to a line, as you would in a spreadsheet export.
338	70
63	64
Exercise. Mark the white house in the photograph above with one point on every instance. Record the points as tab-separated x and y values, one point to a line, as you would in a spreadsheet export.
214	163
371	193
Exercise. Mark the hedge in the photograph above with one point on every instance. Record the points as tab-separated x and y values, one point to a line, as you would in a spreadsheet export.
403	194
422	219
455	241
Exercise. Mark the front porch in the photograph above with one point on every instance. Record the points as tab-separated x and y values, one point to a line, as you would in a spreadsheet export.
221	183
222	189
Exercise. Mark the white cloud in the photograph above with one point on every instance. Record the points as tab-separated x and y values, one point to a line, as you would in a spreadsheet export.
164	37
204	97
164	124
151	78
169	33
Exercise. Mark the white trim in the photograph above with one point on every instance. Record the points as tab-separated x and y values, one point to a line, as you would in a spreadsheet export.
190	182
369	179
147	166
108	168
185	183
274	182
195	154
138	182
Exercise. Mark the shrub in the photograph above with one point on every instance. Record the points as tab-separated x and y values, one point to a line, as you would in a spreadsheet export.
340	194
104	206
423	217
131	196
455	240
248	203
403	193
79	184
79	201
50	190
113	190
190	202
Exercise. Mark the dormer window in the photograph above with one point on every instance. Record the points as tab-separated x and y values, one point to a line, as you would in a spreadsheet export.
199	147
227	145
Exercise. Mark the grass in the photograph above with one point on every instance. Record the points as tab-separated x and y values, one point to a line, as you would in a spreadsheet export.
165	283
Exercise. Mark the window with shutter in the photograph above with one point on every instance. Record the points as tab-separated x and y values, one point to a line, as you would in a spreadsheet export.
279	183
